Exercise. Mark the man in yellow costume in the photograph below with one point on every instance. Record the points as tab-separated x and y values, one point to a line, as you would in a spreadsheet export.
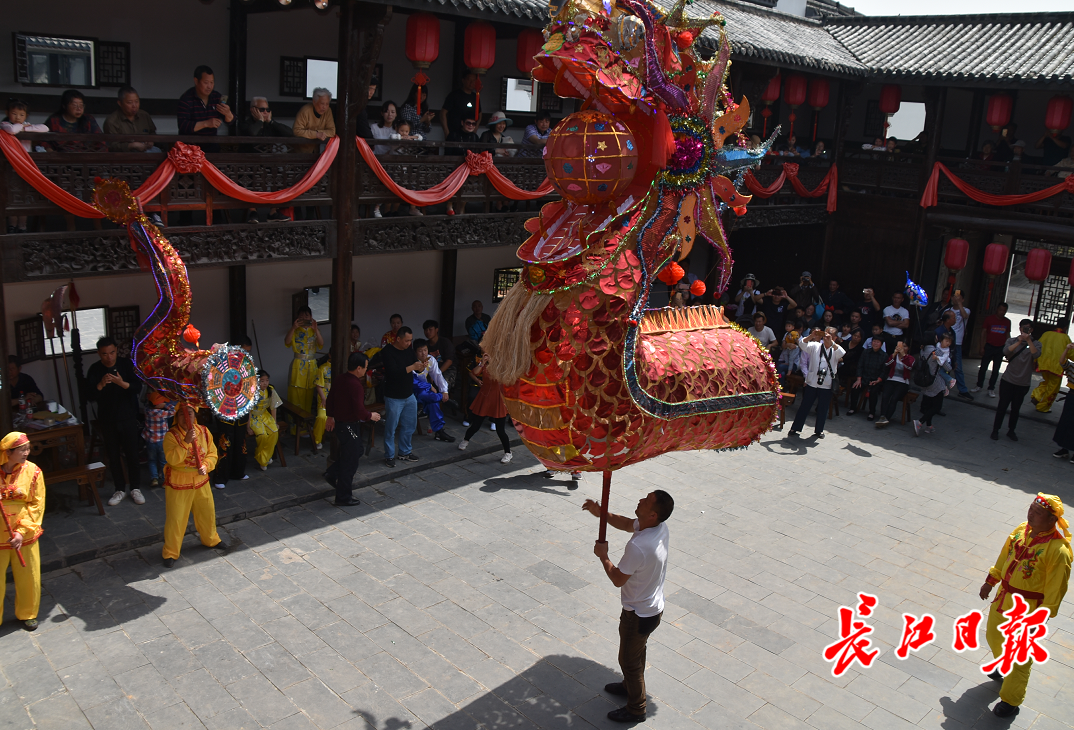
1035	563
191	455
22	498
1054	349
304	339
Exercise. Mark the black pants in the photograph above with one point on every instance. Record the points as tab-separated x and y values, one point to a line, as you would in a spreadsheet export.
230	441
122	441
930	406
992	355
341	474
1010	395
894	392
821	397
872	395
501	430
633	636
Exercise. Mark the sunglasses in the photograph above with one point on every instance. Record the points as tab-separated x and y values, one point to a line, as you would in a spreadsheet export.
263	109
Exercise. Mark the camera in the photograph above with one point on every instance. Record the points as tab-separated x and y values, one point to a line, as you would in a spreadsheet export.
821	375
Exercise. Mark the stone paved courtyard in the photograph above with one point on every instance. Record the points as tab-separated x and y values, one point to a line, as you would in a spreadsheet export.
468	595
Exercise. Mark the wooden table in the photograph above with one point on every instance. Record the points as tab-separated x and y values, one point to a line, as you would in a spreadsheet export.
60	452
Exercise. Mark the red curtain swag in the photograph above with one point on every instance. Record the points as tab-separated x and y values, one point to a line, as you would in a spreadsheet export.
184	159
929	197
475	164
829	184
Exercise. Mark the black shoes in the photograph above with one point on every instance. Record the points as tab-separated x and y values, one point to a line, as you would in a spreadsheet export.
349	503
169	562
624	715
793	434
1061	454
616	688
1002	709
223	546
1012	435
444	436
30	624
390	463
996	676
818	434
994	435
966	396
411	457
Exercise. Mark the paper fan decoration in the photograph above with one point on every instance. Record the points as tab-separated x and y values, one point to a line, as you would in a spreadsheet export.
229	382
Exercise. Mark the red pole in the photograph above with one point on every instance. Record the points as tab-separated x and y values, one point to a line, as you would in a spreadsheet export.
22	560
602	535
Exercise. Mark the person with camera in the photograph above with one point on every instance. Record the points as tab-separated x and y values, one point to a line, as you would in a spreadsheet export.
824	356
747	301
806	292
304	338
869	309
1021	353
899	366
962	315
837	302
778	307
114	387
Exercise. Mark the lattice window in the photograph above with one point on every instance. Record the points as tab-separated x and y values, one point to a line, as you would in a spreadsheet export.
503	280
874	120
122	322
113	63
292	76
1053	306
30	338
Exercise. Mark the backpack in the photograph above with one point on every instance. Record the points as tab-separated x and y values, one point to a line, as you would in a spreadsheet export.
923	376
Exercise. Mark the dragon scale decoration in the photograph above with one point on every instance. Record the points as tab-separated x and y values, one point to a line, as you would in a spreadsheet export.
165	352
596	379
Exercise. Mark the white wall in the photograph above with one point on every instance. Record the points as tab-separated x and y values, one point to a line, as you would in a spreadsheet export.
473	280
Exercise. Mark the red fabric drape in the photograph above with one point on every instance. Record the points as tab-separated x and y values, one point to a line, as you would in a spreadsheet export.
27	170
829	184
223	183
929	197
507	188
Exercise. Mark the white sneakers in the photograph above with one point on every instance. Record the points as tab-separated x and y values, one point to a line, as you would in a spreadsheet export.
991	393
463	444
136	496
265	467
493	426
506	458
319	447
116	498
220	486
975	389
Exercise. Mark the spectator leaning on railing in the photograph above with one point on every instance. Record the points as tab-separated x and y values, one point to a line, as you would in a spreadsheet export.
201	108
73	119
130	119
315	120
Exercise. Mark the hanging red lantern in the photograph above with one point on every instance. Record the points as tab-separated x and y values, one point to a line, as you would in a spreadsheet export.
698	287
890	101
819	91
479	53
769	97
422	46
1057	118
958	253
1038	264
995	259
530	42
999	111
794	93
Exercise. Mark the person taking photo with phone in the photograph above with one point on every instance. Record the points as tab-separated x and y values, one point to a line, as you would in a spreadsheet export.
824	356
1021	353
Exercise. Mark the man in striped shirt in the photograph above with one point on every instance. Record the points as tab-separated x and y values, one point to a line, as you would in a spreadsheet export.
201	108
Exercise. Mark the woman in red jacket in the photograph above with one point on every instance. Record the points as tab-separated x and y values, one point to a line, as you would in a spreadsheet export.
900	365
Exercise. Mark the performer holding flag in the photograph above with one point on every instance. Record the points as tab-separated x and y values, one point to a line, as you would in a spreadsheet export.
22	499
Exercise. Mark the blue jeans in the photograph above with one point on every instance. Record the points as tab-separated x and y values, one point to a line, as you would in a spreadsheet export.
399	413
960	378
429	398
156	459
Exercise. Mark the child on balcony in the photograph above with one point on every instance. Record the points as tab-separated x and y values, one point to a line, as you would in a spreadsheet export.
15	122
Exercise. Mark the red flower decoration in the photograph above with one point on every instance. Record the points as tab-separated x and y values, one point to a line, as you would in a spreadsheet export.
187	159
478	164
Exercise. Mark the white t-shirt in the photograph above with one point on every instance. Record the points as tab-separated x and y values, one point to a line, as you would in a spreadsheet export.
645	560
766	336
960	324
815	352
747	306
900	313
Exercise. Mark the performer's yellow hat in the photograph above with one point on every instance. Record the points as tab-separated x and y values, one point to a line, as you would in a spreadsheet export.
1050	502
11	441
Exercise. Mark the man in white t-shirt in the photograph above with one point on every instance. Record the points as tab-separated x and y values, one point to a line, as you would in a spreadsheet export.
896	317
962	315
763	332
640	580
823	356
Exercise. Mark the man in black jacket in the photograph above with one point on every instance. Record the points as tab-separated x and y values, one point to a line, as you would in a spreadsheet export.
261	124
400	405
114	386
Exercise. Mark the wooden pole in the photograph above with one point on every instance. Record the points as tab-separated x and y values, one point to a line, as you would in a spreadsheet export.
602	535
236	280
449	264
236	47
935	101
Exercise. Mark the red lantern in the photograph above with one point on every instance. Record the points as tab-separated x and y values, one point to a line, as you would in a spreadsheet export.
530	42
771	92
698	287
590	157
422	46
1057	118
794	93
1038	264
479	53
671	274
995	259
818	99
890	98
999	111
958	253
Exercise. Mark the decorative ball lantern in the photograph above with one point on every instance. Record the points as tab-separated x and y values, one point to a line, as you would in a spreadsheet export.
819	91
422	46
890	101
530	42
958	253
995	259
1057	118
794	93
590	157
999	111
769	97
479	54
1038	266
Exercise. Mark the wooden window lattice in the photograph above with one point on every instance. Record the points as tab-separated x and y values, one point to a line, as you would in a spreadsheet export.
292	76
113	63
503	280
29	339
122	323
1053	306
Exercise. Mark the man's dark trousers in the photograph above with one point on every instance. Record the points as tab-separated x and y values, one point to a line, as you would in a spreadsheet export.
123	440
341	474
633	636
992	355
231	448
822	397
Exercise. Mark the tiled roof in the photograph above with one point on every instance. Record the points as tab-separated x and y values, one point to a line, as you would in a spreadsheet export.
828	8
781	38
530	12
1018	48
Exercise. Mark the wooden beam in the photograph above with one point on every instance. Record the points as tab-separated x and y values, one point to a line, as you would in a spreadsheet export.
236	61
449	264
236	287
1062	233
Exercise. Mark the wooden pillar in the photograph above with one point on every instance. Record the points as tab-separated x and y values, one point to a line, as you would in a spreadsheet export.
5	392
844	108
976	120
448	267
236	61
935	101
361	30
236	288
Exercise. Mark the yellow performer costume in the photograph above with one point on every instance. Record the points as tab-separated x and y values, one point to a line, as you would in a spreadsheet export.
322	385
263	424
300	387
1037	566
186	490
1053	354
22	497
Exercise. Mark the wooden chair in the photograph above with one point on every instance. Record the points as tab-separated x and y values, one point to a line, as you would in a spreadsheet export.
303	420
87	477
909	398
371	425
784	399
